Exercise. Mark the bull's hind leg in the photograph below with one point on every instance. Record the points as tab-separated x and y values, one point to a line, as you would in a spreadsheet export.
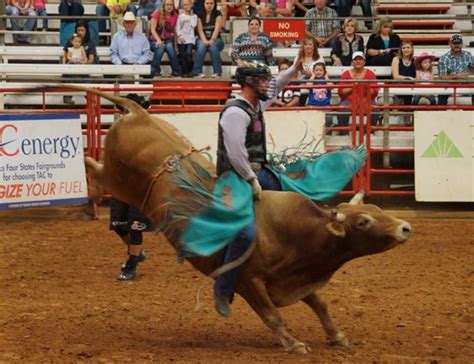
334	336
258	299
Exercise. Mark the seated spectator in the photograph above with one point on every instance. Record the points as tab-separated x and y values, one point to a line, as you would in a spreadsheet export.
424	73
21	8
454	65
40	10
383	44
147	7
233	8
70	8
76	54
185	28
324	31
163	38
272	8
209	39
114	8
344	9
82	29
302	6
129	46
347	43
309	56
403	67
287	97
252	45
357	72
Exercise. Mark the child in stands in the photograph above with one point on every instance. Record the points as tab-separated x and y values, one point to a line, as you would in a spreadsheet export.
424	72
76	54
185	30
319	96
287	97
40	10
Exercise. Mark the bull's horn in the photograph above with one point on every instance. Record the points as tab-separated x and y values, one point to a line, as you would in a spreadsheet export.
337	216
358	198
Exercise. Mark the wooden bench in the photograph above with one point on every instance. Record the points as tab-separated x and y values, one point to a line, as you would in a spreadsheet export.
189	92
42	53
335	72
413	8
42	70
291	53
423	23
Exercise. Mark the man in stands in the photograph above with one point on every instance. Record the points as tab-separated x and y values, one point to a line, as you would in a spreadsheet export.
129	46
454	65
21	8
324	31
114	8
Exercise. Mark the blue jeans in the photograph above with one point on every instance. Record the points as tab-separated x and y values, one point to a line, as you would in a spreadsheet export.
344	9
149	8
343	120
186	56
29	24
42	12
158	52
215	52
102	10
73	9
431	99
226	282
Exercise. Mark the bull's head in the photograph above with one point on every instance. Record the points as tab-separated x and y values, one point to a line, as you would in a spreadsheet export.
367	228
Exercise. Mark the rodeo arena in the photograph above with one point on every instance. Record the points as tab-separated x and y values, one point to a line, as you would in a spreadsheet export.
263	181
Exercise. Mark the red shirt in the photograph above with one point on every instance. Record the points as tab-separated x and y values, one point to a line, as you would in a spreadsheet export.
346	75
166	32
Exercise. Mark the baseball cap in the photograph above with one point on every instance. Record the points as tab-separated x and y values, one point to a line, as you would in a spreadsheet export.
456	38
358	54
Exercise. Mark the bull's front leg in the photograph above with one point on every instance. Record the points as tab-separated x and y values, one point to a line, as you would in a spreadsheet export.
334	336
257	296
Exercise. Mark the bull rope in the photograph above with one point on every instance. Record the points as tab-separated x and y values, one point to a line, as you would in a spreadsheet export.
169	165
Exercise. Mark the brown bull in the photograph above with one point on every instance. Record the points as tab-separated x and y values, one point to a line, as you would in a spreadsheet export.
299	247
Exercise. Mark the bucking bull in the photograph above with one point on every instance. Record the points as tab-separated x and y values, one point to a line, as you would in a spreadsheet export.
299	245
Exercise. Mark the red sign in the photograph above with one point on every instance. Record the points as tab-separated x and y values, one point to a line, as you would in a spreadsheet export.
281	30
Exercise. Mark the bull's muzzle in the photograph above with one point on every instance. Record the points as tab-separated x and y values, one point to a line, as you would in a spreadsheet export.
404	231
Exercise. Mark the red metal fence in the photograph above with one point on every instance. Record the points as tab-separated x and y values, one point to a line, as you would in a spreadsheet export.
361	128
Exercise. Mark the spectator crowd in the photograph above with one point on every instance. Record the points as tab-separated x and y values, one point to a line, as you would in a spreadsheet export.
188	30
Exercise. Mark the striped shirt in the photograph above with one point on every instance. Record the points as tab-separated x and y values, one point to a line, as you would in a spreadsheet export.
246	49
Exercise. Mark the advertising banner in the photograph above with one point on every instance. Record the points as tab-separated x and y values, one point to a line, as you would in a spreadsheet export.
41	161
285	30
444	156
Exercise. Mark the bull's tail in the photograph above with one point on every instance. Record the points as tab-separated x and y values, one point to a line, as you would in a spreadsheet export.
95	179
128	104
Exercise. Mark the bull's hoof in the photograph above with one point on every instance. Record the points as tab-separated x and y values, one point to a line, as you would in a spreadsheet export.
339	340
299	348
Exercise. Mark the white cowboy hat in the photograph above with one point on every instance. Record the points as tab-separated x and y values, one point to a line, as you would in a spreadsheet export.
129	16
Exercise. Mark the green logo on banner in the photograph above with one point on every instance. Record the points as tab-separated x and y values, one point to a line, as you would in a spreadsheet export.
442	147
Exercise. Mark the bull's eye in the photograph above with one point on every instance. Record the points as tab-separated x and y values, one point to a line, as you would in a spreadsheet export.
364	222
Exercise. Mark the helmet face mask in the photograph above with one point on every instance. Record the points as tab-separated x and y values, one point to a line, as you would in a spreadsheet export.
252	74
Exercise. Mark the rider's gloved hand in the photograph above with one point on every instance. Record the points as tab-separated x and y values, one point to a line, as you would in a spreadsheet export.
256	189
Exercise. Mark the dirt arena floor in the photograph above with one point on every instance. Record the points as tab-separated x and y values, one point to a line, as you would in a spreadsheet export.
61	302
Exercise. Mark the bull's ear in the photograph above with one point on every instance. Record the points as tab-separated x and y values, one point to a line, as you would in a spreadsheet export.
336	228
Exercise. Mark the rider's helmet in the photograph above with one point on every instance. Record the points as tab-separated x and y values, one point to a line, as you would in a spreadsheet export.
250	73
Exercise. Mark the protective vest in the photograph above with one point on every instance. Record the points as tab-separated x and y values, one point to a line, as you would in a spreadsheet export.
255	141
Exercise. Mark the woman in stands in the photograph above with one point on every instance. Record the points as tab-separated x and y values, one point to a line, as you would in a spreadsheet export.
209	39
358	72
253	46
403	67
347	43
163	38
82	29
309	56
383	44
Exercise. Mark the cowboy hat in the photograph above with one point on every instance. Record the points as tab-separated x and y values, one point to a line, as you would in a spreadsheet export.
129	16
421	57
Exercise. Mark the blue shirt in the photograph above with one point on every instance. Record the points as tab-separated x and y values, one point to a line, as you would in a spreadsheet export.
319	96
133	49
450	65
